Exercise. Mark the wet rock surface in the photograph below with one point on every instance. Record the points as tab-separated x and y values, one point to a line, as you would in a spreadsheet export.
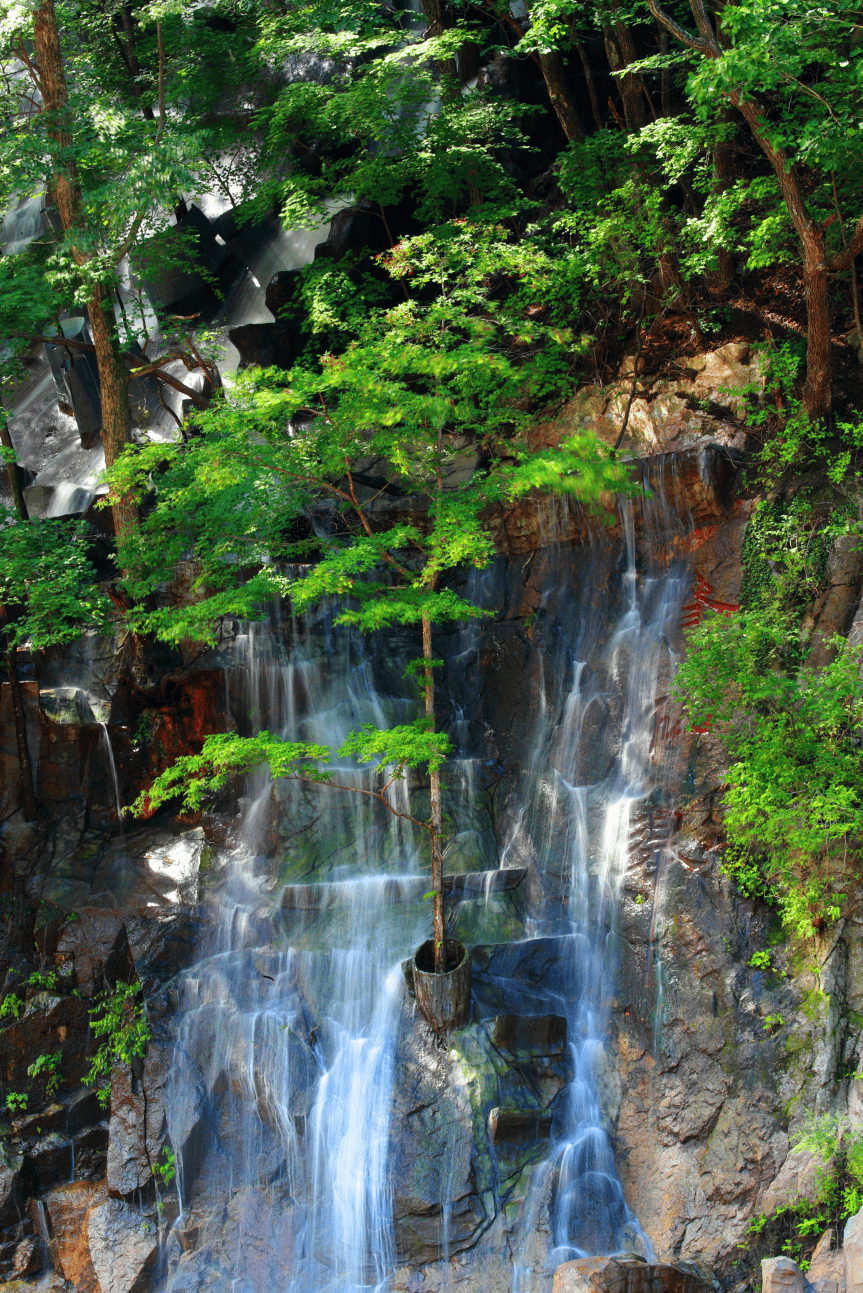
694	1086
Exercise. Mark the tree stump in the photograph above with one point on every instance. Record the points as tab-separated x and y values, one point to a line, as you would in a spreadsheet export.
444	999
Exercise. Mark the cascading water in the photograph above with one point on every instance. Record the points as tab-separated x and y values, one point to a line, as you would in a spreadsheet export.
299	1018
605	760
284	1073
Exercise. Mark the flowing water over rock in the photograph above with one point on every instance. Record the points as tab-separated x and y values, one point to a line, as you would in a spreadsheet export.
283	1105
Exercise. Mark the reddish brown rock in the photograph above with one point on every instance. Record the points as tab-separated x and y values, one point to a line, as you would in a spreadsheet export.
66	1211
62	1026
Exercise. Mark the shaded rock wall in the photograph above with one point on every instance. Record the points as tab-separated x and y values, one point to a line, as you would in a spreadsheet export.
702	1095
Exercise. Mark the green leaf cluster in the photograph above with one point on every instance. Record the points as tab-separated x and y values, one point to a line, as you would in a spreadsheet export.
794	796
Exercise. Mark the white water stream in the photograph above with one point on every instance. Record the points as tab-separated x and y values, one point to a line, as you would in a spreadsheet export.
284	1070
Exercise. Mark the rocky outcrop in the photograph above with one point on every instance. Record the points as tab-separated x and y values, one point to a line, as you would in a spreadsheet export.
612	1275
781	1275
826	1273
852	1252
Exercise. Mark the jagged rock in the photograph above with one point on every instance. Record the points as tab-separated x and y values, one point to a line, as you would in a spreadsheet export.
281	291
826	1273
66	1212
431	1146
781	1275
264	345
62	1025
499	75
852	1247
800	1181
138	1124
11	1190
618	1275
99	947
352	229
162	942
124	1244
28	1258
834	610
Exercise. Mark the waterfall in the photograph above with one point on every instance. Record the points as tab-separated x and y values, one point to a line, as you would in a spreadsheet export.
298	1016
601	759
115	781
285	1069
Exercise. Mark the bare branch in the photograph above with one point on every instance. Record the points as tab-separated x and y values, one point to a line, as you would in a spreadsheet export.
687	37
161	80
21	50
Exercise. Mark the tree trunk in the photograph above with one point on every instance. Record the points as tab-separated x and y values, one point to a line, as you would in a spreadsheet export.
723	178
818	392
12	469
621	51
25	764
436	815
113	376
665	75
52	75
551	65
591	84
114	384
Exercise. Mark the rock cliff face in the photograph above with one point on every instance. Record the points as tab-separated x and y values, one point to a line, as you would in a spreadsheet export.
700	1092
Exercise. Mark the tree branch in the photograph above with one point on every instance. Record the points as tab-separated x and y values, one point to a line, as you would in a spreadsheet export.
844	258
31	68
687	37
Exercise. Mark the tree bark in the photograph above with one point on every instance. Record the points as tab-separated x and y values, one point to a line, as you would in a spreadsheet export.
557	85
591	84
25	763
436	815
113	377
12	470
114	384
620	48
52	75
723	178
818	391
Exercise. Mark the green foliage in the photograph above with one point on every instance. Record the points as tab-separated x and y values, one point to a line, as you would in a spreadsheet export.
794	801
48	1064
47	581
196	778
165	1167
17	1101
11	1007
120	1019
760	960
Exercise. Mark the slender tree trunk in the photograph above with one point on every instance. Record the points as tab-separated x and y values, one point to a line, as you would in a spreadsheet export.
621	51
25	763
818	392
436	815
114	384
591	84
665	75
557	84
113	376
723	178
12	470
52	76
